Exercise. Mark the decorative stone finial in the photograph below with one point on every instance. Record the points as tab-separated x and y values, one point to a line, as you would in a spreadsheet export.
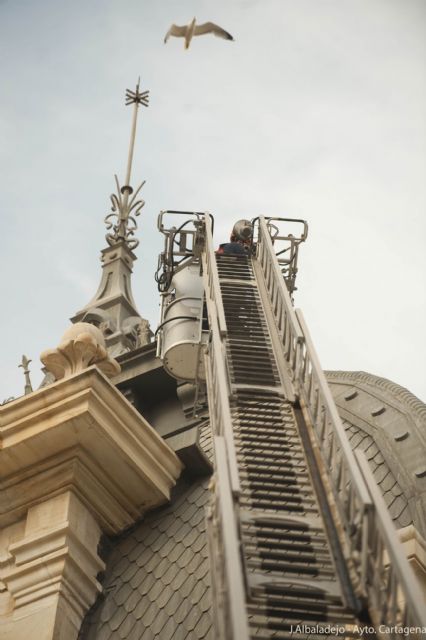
81	346
25	365
113	309
121	223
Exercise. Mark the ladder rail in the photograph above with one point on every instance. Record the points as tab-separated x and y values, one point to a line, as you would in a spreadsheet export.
212	287
282	308
231	622
218	391
381	572
219	386
231	616
369	530
351	493
352	498
277	494
390	574
308	374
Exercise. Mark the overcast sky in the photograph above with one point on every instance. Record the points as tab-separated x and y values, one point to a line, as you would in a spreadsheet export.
316	111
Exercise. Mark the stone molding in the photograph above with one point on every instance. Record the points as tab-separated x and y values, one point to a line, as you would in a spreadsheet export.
56	556
415	549
76	460
50	574
86	411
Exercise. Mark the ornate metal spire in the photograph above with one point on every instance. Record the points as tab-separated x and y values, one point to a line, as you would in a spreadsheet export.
25	366
113	309
121	222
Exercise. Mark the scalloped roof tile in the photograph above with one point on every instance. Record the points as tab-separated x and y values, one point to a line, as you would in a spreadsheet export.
155	578
157	582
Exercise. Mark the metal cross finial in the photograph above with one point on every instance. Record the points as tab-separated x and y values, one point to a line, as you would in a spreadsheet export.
24	364
137	96
123	210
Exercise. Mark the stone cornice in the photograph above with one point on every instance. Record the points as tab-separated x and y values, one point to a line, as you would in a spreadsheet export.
84	418
72	470
76	460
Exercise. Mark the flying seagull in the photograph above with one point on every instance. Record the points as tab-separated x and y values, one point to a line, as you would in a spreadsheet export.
190	30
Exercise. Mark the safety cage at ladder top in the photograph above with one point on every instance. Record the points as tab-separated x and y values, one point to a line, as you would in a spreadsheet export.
286	235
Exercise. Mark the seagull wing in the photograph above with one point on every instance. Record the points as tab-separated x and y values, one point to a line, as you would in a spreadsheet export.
210	27
174	30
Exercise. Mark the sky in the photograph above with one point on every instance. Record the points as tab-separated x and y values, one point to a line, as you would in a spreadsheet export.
317	110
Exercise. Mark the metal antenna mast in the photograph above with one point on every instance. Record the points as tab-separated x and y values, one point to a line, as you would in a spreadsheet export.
125	208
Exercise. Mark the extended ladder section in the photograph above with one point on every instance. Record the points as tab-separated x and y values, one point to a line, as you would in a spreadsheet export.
301	539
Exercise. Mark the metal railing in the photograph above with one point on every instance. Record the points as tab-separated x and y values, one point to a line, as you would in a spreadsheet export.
381	573
390	575
368	532
288	328
229	589
182	244
350	492
232	624
286	245
211	280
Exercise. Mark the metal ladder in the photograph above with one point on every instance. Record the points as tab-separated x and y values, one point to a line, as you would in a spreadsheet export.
290	542
292	579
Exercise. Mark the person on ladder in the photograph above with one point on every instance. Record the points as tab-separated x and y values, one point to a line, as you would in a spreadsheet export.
240	240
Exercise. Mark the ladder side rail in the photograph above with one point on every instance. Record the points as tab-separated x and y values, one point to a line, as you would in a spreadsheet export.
352	497
217	362
230	570
218	391
350	491
392	587
230	601
287	324
297	342
210	269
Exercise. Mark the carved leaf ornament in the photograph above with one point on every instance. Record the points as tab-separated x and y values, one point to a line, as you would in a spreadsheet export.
82	345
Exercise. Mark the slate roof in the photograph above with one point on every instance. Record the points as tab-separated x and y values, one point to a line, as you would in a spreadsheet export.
395	499
157	582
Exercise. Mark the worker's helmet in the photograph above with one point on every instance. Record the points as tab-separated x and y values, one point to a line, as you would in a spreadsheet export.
242	230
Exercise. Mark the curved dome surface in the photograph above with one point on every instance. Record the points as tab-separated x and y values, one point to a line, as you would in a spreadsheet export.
388	423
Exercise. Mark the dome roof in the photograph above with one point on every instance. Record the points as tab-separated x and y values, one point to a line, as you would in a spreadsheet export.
388	423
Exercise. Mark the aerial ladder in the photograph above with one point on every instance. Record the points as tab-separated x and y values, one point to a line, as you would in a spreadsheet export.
302	545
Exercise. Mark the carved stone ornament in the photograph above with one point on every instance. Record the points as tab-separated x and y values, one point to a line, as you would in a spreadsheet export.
81	346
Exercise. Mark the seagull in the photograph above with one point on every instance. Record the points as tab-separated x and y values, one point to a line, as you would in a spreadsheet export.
190	30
